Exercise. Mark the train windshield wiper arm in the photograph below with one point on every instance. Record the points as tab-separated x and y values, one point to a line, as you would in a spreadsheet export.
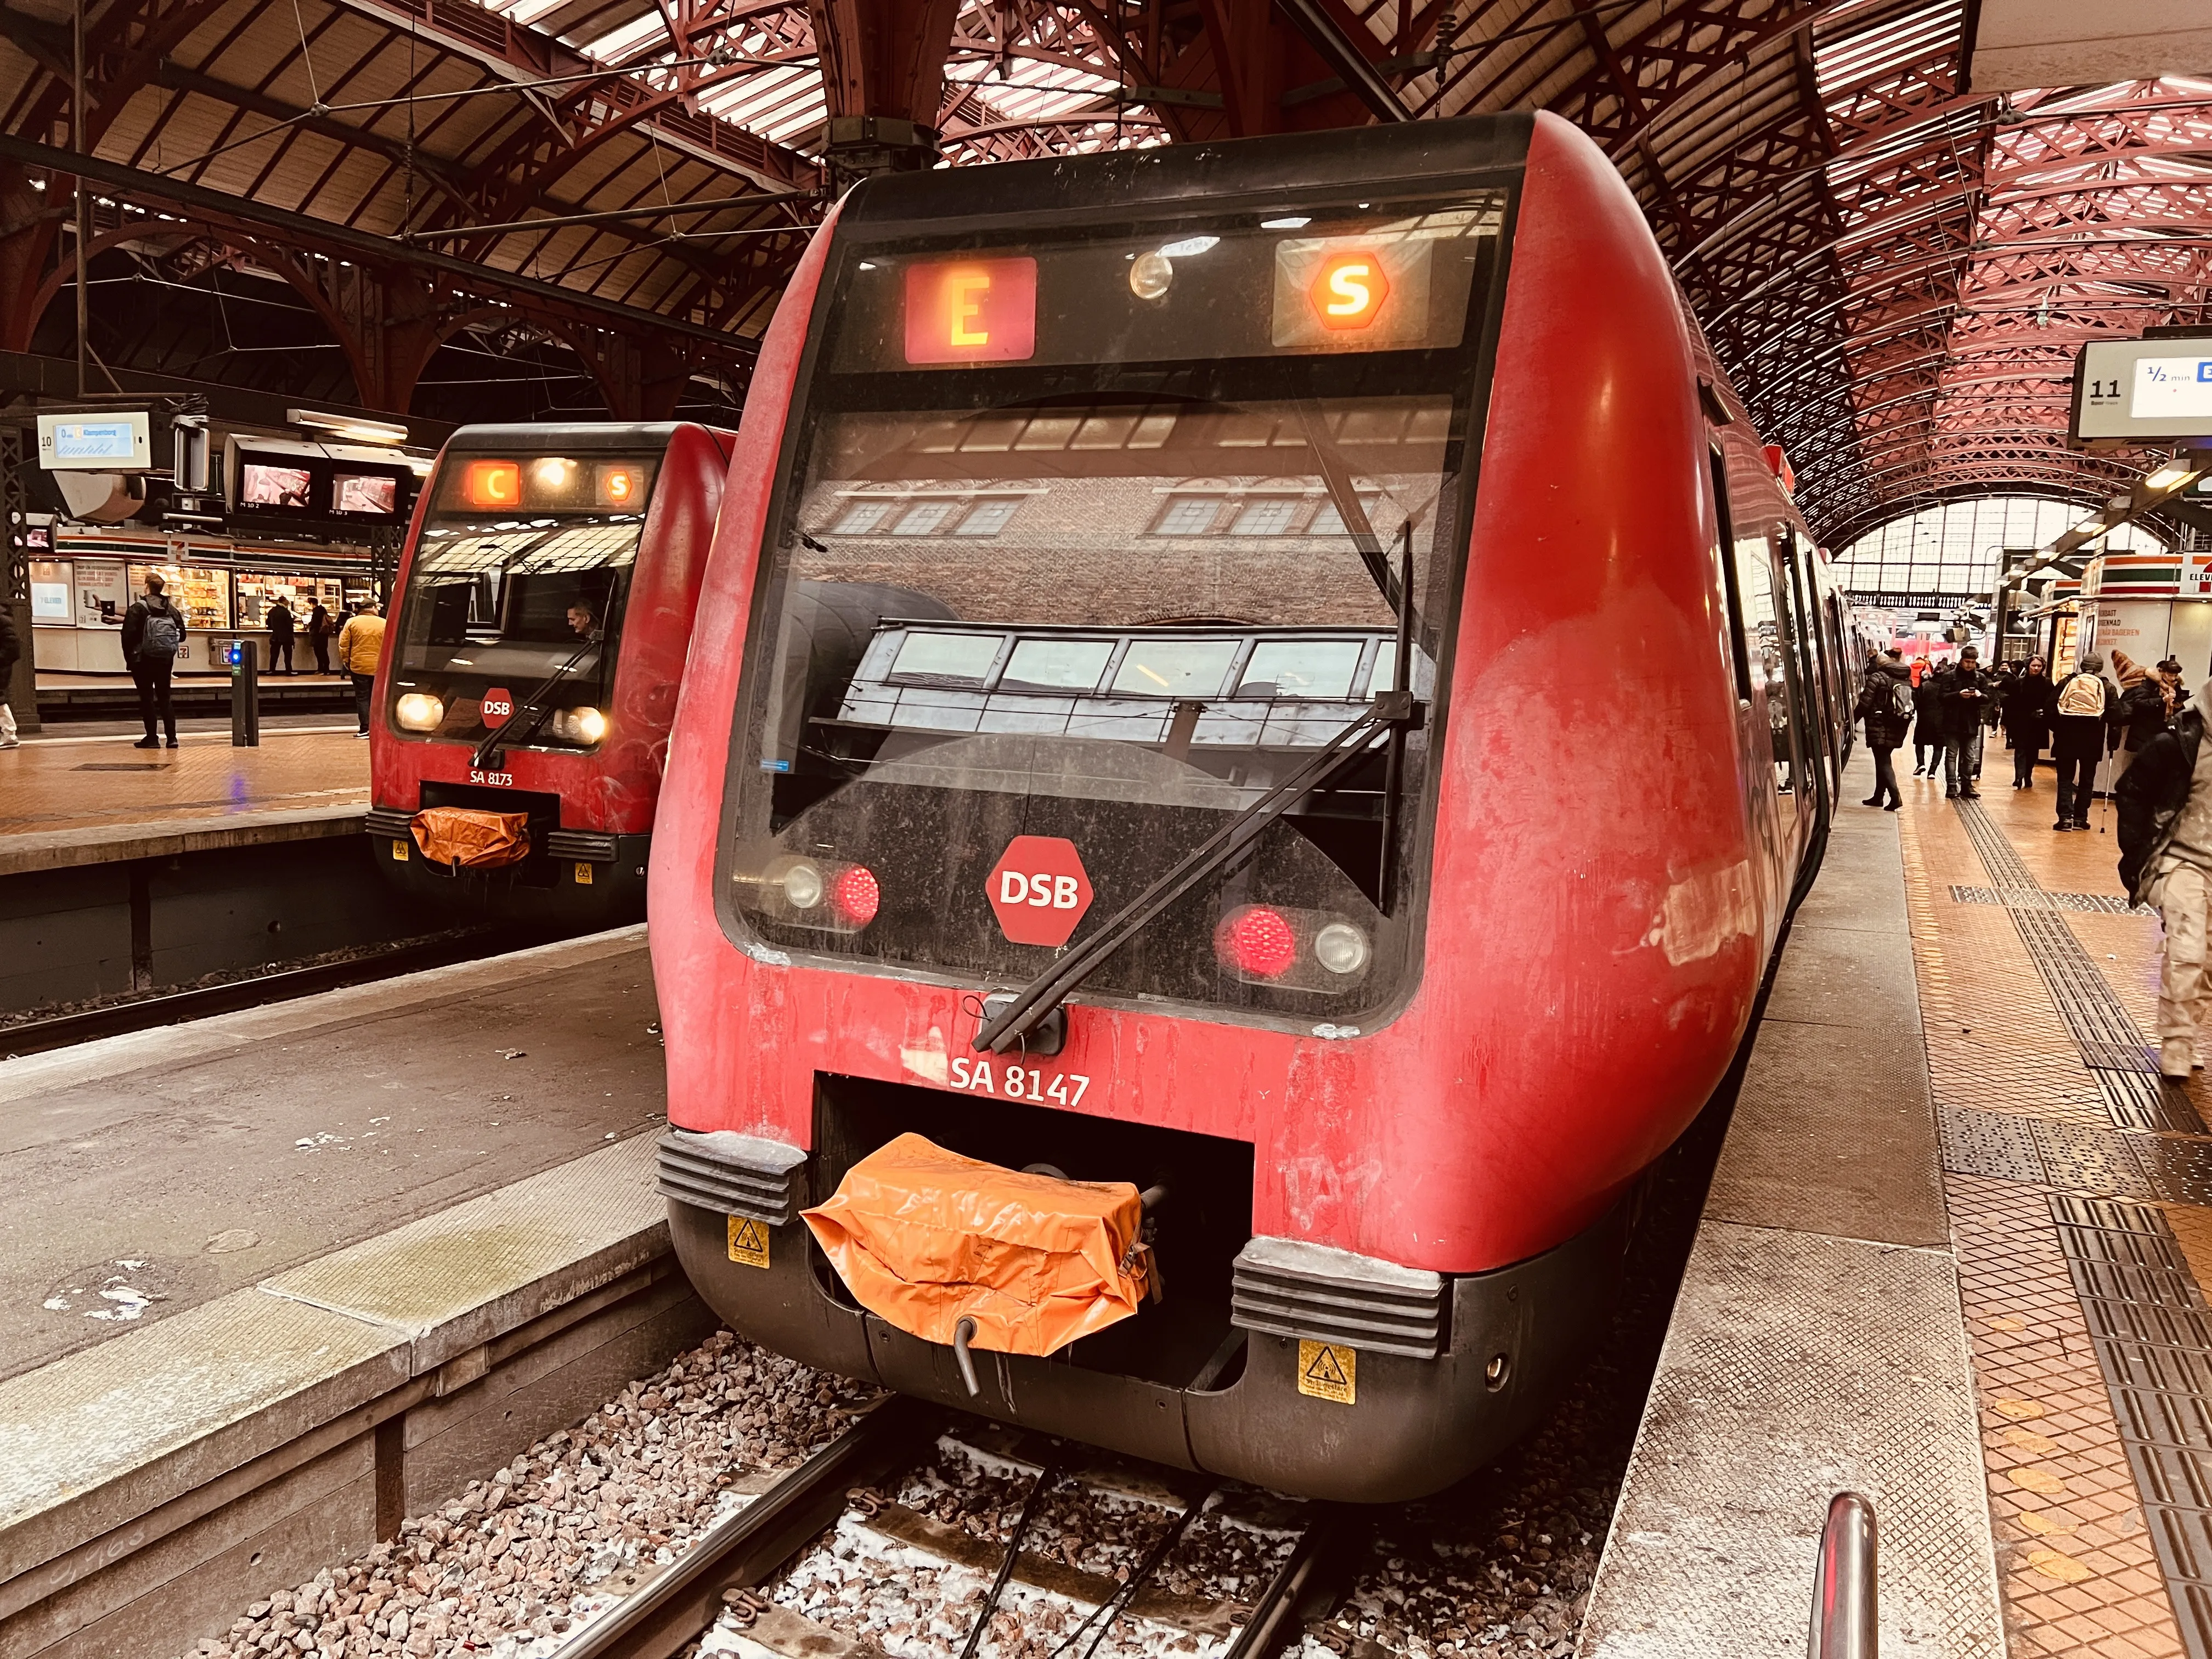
519	730
1391	711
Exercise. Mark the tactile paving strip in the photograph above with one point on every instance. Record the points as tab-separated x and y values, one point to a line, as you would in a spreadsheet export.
2016	898
2146	1320
2107	1035
2077	1156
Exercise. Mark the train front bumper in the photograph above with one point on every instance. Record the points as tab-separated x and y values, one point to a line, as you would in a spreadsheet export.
1299	1398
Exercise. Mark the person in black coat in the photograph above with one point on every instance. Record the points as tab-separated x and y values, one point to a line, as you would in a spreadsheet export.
1963	695
1886	724
2085	714
281	625
2028	719
1928	726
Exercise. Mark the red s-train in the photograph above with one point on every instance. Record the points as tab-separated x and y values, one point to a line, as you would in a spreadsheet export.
541	616
1070	525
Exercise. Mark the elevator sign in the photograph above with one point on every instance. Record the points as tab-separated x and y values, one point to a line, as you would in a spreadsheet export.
1039	889
971	311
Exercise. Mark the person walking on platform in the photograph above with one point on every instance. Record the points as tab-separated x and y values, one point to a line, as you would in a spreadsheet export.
1928	721
1885	705
152	634
281	622
2166	860
1962	693
2027	721
319	630
2084	708
11	650
361	642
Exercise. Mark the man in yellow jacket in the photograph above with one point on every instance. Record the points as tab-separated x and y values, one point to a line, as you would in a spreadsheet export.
361	642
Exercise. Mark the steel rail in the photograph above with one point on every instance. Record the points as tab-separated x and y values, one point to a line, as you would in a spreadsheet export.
744	1552
677	1607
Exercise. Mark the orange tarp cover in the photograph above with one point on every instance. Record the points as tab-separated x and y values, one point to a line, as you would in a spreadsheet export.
921	1235
464	835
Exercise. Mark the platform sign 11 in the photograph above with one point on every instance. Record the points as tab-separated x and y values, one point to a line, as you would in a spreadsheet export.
2143	389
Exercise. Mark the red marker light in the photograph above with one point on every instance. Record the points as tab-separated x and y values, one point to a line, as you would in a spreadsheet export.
1256	940
856	895
492	484
1349	290
968	311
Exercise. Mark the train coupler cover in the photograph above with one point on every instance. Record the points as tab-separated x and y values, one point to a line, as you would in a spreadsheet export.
925	1238
470	838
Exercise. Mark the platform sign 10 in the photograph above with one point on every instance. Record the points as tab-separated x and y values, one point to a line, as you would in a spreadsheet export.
2143	389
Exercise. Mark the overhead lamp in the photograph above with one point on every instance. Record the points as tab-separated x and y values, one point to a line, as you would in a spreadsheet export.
351	428
2172	475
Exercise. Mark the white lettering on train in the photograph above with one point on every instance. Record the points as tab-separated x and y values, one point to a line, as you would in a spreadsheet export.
1031	1083
1040	892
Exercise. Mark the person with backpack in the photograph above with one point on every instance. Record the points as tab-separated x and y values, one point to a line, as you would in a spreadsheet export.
2027	721
152	634
1885	706
2166	860
1962	691
1928	722
2084	708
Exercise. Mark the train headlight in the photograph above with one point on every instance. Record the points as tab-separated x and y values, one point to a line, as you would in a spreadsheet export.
1149	274
584	726
418	711
1293	950
1340	948
825	895
803	885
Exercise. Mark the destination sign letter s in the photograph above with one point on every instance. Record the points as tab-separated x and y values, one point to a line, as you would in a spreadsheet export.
970	310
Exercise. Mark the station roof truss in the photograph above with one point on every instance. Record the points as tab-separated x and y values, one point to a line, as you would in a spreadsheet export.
1897	269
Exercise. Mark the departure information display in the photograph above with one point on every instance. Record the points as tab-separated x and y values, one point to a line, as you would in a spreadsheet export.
1323	280
2144	389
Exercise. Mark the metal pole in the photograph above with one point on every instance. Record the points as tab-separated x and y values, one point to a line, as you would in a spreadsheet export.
83	203
1846	1623
245	696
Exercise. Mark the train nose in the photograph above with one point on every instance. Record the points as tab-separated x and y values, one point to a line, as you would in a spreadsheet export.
1299	1368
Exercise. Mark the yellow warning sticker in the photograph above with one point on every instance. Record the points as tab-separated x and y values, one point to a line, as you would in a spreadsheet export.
583	875
1327	1370
748	1242
399	852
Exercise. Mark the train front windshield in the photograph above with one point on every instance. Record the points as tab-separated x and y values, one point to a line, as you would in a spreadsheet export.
1082	544
512	615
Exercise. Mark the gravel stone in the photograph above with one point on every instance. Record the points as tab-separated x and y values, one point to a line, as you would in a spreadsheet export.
508	1566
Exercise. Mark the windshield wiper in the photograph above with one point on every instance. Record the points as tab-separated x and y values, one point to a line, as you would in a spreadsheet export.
1393	711
534	706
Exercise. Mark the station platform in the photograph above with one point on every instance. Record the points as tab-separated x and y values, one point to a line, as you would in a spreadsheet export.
70	799
276	1279
1951	1258
138	1168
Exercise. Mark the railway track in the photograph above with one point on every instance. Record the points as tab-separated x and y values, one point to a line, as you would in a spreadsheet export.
777	1578
146	1013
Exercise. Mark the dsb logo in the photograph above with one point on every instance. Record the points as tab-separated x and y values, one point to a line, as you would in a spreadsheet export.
498	707
1058	891
1039	889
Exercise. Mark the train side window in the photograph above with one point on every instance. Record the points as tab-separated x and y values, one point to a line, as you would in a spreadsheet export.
1738	650
1755	571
